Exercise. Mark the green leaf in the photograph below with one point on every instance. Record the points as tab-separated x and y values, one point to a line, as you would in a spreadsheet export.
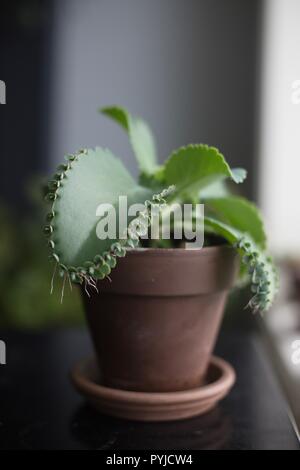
260	267
240	214
94	178
195	167
238	175
117	114
215	190
140	136
150	180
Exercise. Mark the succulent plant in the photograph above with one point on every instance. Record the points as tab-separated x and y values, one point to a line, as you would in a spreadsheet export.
196	173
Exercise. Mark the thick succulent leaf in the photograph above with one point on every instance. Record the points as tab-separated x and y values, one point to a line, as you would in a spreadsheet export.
119	115
240	214
140	136
94	178
238	175
150	180
195	167
215	190
260	267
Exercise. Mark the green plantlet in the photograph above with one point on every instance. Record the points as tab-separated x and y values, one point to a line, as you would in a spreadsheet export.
195	173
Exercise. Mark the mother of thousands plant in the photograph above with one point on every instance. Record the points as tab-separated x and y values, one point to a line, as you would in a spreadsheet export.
192	174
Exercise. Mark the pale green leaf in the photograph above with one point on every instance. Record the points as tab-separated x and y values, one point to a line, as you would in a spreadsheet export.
95	178
240	214
195	167
217	189
140	136
238	174
260	267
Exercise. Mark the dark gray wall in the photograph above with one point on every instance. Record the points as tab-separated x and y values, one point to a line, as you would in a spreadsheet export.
188	67
24	33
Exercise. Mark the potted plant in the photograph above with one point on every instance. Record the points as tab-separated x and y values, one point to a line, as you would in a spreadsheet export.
154	305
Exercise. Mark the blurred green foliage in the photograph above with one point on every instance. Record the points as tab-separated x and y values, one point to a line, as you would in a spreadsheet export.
25	278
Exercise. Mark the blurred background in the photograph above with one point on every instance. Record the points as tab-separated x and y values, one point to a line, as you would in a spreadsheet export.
191	70
223	72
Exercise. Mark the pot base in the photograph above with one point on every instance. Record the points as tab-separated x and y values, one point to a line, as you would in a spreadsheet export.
142	406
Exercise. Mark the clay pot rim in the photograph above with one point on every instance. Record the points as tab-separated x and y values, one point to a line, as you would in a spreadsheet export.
205	251
157	266
216	388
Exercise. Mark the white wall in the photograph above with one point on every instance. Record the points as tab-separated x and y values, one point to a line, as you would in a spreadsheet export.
280	125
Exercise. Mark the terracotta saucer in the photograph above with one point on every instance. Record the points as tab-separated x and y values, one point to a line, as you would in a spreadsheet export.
142	406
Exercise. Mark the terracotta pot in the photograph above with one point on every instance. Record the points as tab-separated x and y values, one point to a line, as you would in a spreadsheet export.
155	325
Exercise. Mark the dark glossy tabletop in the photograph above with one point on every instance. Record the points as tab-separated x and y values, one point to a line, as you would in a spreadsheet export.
40	410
